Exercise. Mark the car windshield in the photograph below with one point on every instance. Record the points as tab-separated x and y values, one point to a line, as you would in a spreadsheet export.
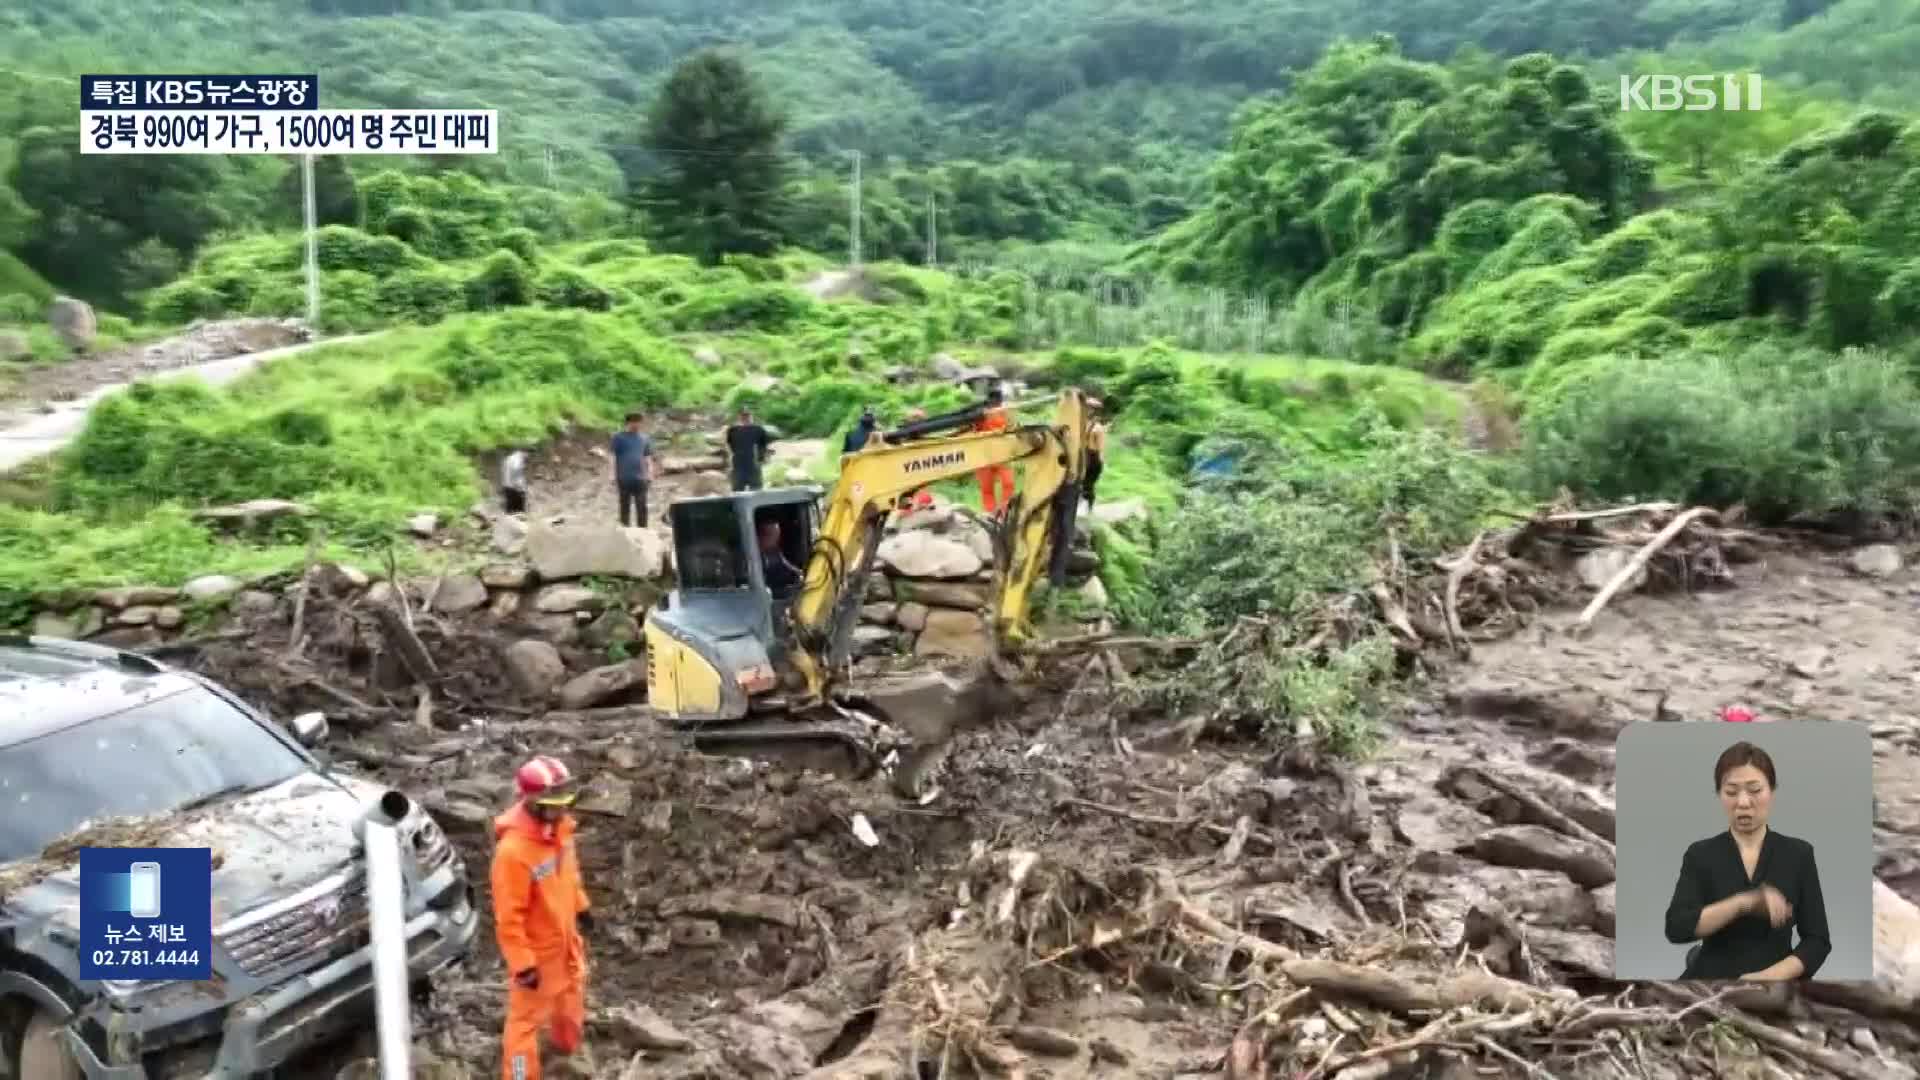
165	754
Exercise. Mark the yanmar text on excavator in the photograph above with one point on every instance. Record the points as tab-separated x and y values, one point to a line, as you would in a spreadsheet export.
738	662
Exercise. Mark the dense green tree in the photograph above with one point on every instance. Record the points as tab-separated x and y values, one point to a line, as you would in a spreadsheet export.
336	200
16	219
711	177
92	212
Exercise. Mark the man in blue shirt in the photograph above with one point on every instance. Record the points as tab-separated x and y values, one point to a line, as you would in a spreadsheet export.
633	467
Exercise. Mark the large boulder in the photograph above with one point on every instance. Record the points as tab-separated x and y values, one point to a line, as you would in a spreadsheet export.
509	535
72	321
561	599
458	594
954	633
1877	560
963	595
1896	946
1114	513
559	552
535	668
211	588
602	684
929	555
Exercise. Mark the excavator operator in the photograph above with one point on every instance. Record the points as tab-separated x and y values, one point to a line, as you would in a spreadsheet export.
996	481
779	571
539	913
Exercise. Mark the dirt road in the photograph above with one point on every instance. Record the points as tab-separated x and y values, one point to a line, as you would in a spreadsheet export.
48	405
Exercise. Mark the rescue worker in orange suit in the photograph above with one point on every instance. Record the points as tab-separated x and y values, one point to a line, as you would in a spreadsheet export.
996	481
539	914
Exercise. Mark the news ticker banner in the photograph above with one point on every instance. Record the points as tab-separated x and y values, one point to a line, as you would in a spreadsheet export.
262	114
146	914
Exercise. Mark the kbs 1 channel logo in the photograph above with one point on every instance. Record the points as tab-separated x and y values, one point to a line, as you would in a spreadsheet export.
1690	93
262	114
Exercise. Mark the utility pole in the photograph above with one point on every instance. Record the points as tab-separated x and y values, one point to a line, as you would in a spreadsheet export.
313	243
853	231
933	232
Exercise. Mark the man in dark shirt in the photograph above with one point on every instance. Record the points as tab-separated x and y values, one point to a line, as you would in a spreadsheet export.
748	445
780	573
634	466
862	431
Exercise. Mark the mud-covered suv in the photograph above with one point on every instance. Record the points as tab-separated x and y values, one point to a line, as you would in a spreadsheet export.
91	735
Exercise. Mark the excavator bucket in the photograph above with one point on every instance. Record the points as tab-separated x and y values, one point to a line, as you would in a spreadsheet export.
930	708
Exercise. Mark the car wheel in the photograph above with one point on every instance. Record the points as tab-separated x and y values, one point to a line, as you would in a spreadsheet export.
43	1051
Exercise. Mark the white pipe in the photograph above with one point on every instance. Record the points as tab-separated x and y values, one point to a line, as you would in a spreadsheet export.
386	898
311	219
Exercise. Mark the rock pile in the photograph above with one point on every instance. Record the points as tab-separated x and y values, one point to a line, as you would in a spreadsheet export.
575	598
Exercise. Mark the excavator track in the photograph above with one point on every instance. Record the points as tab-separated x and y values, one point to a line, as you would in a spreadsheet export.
813	737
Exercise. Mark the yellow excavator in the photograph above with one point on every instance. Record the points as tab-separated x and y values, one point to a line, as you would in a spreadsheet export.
743	660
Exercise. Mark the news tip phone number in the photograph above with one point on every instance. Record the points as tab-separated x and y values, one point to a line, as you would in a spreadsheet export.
338	131
135	958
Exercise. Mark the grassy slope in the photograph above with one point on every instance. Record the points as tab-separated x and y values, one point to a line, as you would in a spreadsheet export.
371	433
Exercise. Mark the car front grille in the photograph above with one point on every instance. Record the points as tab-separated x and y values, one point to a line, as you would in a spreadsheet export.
325	926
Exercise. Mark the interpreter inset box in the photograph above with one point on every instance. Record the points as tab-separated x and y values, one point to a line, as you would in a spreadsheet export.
1744	851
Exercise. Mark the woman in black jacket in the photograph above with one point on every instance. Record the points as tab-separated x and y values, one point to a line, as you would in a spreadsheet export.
1742	893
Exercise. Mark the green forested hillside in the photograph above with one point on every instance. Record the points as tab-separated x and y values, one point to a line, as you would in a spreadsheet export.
1507	223
1079	79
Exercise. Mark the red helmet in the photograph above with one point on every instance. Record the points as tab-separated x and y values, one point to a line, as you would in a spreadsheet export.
1734	714
541	776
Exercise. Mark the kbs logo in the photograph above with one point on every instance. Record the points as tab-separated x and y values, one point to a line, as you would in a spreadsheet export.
1690	93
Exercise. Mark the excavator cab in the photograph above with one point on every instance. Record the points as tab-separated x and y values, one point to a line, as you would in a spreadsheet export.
720	639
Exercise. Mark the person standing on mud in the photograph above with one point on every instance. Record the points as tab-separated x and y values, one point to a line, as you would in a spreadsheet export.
996	481
540	912
513	481
748	446
1096	451
862	432
634	466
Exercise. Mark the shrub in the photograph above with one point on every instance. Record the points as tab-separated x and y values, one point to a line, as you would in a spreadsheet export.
421	296
504	280
1785	433
1285	547
740	307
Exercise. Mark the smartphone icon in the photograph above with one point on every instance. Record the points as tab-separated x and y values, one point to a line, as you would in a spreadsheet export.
143	893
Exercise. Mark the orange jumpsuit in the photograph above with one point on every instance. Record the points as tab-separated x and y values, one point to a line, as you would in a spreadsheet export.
537	900
994	476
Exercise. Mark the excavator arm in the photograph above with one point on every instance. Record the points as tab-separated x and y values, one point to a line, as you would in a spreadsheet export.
1036	538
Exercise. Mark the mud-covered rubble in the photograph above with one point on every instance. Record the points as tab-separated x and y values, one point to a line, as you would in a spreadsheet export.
1060	912
1085	899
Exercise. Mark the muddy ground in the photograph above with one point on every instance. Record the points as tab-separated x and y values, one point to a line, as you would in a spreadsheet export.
1082	900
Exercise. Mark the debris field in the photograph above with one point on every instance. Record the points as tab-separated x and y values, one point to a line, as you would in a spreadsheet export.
1095	893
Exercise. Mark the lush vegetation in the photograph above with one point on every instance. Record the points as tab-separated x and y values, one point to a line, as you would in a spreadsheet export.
1293	257
1078	122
